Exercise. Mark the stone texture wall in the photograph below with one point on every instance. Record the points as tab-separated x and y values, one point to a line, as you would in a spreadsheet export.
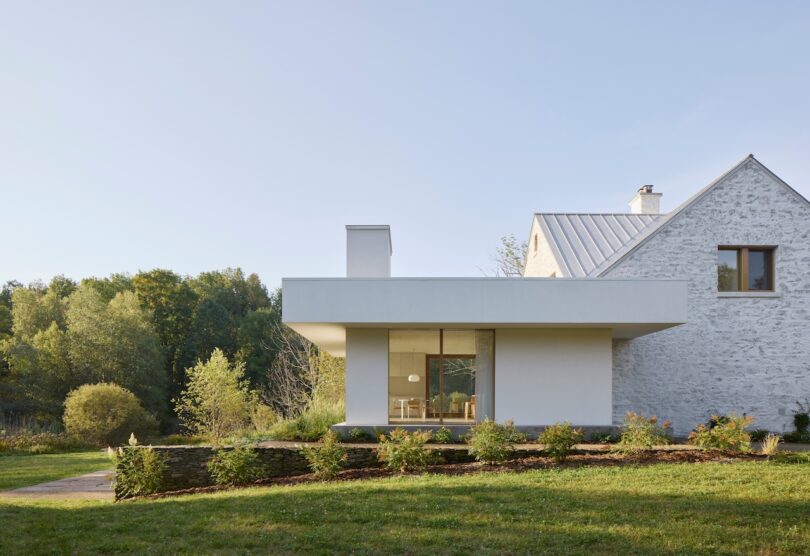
743	354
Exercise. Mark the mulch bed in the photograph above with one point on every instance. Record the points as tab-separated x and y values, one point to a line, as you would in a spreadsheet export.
608	459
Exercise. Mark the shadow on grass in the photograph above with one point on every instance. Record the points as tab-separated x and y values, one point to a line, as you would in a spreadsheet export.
536	512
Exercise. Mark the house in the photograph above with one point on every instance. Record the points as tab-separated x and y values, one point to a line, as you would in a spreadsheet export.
704	309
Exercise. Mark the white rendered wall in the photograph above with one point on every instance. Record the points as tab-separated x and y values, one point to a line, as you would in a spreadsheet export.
547	375
540	260
368	252
366	376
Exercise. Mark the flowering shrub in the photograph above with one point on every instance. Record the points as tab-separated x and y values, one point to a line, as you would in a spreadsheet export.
403	451
492	443
641	433
558	439
139	472
723	432
327	459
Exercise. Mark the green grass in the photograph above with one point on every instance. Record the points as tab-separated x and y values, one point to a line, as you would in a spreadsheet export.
742	508
24	470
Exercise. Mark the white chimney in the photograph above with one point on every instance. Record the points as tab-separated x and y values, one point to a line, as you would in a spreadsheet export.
645	201
368	251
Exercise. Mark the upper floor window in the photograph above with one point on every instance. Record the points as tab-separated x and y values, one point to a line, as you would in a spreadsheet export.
743	269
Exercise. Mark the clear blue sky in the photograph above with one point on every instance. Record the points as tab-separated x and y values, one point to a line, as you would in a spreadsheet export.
199	135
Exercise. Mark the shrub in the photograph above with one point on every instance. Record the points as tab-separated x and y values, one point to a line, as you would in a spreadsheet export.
641	433
759	435
723	432
216	401
327	459
139	472
443	436
40	443
490	442
181	439
770	444
558	440
104	414
310	425
359	435
235	466
602	438
403	451
801	423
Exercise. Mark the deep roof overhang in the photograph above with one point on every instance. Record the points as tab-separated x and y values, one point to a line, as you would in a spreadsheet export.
322	308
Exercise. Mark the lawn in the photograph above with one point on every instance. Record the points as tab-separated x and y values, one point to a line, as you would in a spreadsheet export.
24	470
752	508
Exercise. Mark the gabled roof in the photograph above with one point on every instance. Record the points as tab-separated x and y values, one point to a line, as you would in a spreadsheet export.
581	243
641	239
590	245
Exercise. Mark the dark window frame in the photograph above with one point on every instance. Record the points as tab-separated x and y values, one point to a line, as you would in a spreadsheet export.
743	266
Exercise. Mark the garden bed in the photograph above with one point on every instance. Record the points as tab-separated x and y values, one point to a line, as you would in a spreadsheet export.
600	458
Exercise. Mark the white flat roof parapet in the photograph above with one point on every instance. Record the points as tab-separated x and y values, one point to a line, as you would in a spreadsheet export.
322	308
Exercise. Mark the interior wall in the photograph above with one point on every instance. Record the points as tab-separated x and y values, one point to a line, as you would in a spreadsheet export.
366	376
547	375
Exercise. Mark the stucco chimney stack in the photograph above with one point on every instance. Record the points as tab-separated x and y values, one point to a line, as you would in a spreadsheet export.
368	251
645	201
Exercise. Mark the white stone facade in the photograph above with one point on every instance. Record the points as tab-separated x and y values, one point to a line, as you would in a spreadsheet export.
740	353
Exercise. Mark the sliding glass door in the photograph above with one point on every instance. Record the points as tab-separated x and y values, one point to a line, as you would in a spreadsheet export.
440	376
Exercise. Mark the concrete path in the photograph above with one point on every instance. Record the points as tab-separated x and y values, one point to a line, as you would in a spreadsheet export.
93	486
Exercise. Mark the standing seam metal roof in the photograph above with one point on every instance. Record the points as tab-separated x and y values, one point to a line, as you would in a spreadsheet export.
583	242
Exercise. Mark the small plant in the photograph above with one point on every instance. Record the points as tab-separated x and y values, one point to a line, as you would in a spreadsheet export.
558	440
236	466
403	451
759	435
602	438
727	433
359	435
640	433
139	472
801	422
327	459
443	436
770	444
492	443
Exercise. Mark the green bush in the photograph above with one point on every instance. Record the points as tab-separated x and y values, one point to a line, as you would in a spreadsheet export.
403	451
310	425
759	435
139	472
602	438
327	459
558	440
640	433
40	443
235	466
723	432
106	414
492	443
359	435
443	436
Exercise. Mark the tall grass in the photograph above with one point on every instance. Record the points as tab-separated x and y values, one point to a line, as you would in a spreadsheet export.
312	424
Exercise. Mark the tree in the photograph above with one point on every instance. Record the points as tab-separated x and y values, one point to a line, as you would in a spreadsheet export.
171	302
110	287
61	286
217	401
34	310
115	342
510	257
257	343
300	374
